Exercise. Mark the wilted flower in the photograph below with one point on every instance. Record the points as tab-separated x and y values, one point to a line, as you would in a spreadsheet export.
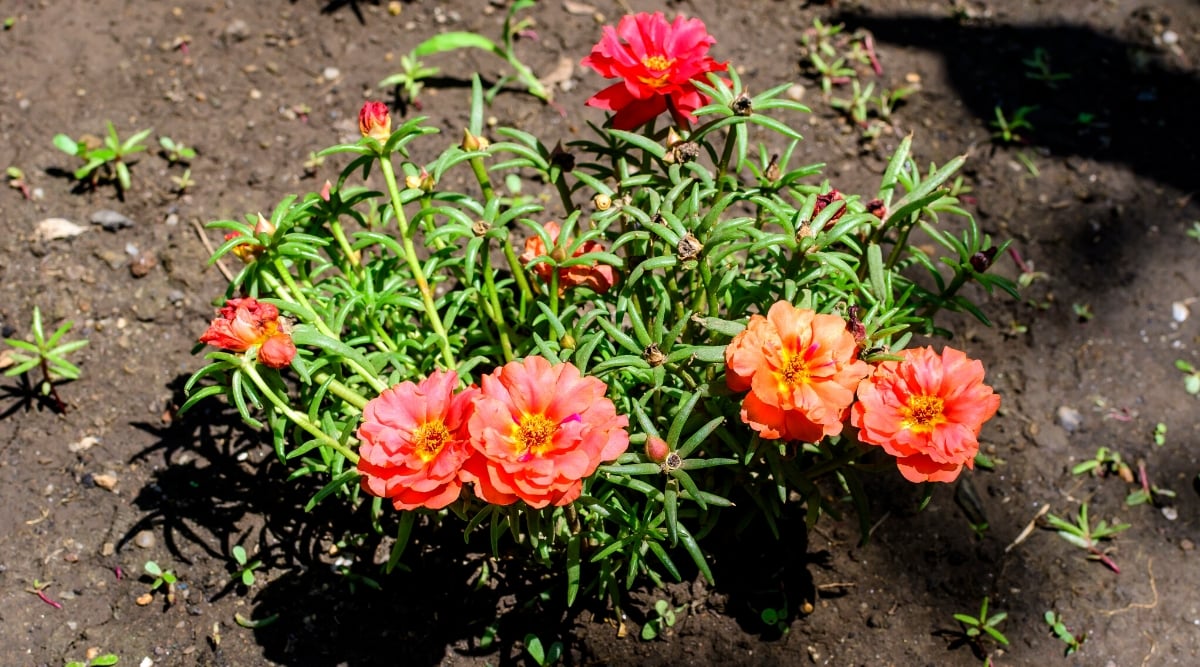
539	430
245	323
375	121
927	411
414	442
656	62
801	370
825	200
251	249
598	277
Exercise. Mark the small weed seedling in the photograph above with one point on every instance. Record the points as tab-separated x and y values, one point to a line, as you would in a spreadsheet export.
1106	462
1082	535
161	577
1191	382
775	619
106	161
1160	434
1148	492
176	151
98	661
1008	130
1038	68
49	354
665	617
1194	232
978	628
17	181
1059	629
244	569
1083	311
184	181
540	655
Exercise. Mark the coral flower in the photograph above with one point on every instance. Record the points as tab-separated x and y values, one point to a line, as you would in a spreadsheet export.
375	121
414	442
245	323
927	411
656	62
596	276
801	369
538	430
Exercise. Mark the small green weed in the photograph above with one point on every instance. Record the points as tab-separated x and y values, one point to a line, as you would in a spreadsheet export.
244	568
977	628
1059	629
49	354
1083	535
1008	130
665	617
540	655
162	577
98	661
107	160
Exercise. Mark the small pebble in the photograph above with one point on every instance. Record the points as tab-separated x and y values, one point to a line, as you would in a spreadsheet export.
84	444
1170	37
142	264
331	73
1069	418
1170	513
106	481
1179	311
111	221
144	599
145	539
795	92
1186	544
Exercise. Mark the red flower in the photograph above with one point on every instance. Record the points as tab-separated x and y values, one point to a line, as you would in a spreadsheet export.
245	323
657	62
538	430
414	442
801	370
375	121
927	411
595	276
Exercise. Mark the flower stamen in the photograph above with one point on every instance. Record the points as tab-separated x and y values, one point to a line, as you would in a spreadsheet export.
534	436
430	438
923	413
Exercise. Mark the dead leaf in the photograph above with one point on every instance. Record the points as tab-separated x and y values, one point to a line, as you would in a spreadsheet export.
560	73
578	8
56	228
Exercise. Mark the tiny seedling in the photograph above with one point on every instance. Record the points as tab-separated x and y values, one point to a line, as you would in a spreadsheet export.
1191	382
49	354
1008	130
244	569
541	655
1194	232
184	181
1148	493
176	151
1059	629
983	626
161	577
1083	311
1038	69
1084	536
17	181
98	661
1106	462
775	619
107	160
1160	434
665	617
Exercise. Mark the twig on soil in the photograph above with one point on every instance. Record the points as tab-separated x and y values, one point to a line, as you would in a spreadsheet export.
208	246
1028	528
1139	605
835	584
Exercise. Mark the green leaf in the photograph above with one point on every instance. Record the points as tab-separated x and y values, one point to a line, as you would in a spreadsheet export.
66	144
450	41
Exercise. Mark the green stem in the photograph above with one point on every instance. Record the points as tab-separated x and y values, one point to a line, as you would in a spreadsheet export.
352	256
296	417
485	180
726	154
497	312
518	272
342	391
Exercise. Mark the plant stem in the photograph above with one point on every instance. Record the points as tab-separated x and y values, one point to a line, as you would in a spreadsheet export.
296	417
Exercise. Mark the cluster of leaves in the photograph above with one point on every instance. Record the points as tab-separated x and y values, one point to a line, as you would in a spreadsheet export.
49	354
107	160
698	245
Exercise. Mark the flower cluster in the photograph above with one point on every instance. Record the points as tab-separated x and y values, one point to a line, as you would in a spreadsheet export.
802	372
247	323
533	431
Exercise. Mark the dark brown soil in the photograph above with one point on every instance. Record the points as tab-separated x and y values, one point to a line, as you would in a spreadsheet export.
1105	219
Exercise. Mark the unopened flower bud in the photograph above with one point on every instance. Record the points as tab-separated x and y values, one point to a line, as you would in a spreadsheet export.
877	208
412	182
567	342
982	260
422	181
772	172
472	143
654	356
742	105
657	449
375	121
559	254
602	202
264	226
689	247
325	190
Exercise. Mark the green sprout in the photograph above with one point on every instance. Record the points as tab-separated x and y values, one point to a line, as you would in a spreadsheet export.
245	567
776	618
1084	536
1160	434
49	354
543	657
1007	130
176	151
665	617
161	577
1083	311
978	628
106	161
184	181
1059	629
1106	462
17	181
98	661
1194	232
1148	493
1191	382
1039	69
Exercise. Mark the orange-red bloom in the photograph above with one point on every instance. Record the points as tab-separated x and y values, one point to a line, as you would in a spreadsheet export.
538	430
801	369
251	250
656	62
245	323
375	121
414	442
596	276
927	411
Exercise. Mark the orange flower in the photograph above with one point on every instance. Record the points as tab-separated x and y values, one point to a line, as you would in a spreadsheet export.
252	249
414	442
598	277
927	411
245	323
375	121
538	430
801	369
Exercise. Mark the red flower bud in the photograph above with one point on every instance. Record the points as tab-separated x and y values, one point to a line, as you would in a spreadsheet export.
657	449
375	121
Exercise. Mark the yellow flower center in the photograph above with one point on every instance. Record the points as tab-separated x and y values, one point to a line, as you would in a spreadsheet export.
534	436
794	372
657	63
660	66
923	413
430	438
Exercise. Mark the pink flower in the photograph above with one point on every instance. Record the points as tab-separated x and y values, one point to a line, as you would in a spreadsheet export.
414	442
245	323
538	430
927	411
375	121
656	62
596	276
